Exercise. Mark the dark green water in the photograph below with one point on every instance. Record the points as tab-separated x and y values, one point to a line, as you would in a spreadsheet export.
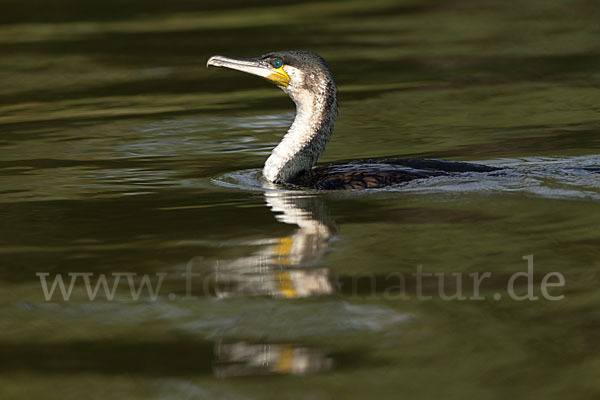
121	153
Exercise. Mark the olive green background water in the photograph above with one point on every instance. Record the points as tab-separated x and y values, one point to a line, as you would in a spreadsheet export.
121	153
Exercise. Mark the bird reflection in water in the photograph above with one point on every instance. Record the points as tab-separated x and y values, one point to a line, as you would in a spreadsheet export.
243	359
285	267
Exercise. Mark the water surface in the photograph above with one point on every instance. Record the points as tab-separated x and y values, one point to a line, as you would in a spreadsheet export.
120	153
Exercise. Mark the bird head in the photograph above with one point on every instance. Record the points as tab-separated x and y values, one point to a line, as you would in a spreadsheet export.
294	71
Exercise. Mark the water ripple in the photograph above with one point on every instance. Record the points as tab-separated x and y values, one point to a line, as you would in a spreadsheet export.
572	178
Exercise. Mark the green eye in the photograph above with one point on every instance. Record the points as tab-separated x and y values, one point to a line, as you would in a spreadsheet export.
277	63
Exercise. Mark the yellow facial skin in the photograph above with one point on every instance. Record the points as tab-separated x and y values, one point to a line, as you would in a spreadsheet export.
278	77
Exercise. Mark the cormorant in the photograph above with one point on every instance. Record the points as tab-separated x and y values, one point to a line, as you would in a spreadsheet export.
307	80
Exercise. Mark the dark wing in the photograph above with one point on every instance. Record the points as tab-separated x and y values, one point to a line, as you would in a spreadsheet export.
377	173
429	164
591	169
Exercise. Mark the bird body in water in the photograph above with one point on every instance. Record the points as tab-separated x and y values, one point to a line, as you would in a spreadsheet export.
307	80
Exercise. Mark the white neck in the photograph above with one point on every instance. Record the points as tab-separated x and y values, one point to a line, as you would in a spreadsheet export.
307	137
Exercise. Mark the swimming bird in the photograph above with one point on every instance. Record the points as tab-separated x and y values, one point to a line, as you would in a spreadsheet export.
307	80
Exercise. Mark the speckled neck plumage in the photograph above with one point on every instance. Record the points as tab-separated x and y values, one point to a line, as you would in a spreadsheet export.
305	141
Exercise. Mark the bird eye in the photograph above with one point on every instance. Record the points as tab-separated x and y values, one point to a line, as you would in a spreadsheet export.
277	63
